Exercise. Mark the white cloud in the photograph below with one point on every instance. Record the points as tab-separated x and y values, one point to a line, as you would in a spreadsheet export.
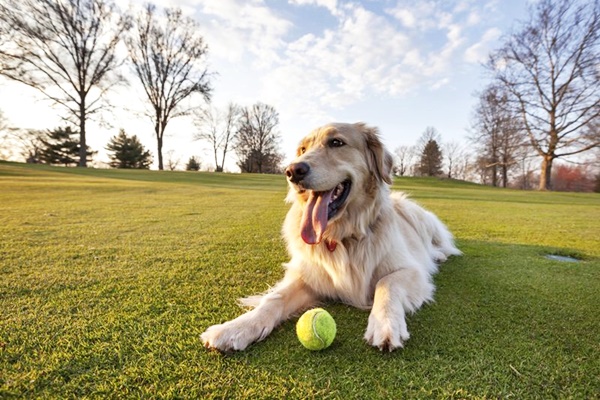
478	52
368	54
422	15
473	19
338	67
405	16
439	84
331	5
462	6
363	54
234	27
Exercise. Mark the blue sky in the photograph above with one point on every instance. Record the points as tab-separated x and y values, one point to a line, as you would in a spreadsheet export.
399	65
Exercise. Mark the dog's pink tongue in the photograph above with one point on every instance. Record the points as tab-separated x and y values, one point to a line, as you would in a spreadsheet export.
314	218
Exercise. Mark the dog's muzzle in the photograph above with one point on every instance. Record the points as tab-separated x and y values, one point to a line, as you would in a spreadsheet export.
296	172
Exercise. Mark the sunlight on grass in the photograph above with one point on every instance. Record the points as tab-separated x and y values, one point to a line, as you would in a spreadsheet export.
109	277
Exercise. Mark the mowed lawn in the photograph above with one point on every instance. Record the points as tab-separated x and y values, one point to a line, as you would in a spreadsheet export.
108	278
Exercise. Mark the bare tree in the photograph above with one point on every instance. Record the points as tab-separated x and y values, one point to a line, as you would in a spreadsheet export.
168	57
3	122
6	145
14	142
404	159
497	133
27	143
482	170
464	167
488	118
172	160
550	70
525	171
257	140
219	130
6	37
66	50
452	153
591	133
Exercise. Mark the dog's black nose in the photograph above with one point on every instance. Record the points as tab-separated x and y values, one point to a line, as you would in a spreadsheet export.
297	171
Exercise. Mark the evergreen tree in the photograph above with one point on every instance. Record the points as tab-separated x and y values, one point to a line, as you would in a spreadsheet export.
128	152
431	159
61	146
193	164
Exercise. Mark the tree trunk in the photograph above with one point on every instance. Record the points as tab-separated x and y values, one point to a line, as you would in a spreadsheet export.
222	166
546	173
82	136
217	168
159	139
160	156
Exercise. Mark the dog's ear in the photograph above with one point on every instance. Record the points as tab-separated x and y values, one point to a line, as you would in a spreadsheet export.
379	159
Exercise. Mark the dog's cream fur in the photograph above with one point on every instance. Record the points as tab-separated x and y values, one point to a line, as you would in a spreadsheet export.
378	252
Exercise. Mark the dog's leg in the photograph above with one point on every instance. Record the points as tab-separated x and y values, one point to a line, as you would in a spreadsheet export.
396	294
286	298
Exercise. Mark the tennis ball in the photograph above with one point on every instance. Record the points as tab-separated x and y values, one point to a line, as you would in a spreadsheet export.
316	329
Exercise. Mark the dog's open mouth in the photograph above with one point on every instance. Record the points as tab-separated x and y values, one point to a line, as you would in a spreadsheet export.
320	208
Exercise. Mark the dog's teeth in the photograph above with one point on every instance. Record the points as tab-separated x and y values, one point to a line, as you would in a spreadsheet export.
338	190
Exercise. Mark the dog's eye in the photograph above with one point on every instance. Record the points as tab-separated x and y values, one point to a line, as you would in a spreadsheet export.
336	143
301	150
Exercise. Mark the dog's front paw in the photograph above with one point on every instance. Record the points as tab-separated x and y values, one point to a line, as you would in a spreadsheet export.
224	338
386	333
235	335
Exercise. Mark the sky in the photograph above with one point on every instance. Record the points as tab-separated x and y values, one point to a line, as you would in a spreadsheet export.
401	65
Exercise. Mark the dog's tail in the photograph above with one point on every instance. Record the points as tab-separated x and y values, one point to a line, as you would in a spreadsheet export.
441	239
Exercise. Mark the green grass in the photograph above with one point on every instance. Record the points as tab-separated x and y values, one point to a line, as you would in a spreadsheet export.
107	279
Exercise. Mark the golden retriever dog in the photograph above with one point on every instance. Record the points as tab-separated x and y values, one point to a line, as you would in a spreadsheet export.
350	239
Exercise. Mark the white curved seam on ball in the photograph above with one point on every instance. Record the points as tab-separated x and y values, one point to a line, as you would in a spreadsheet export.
314	328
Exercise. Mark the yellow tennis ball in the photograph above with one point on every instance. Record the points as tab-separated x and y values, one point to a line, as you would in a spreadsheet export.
316	329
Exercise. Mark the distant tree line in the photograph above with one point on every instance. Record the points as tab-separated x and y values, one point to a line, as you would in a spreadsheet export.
542	104
68	51
251	132
544	98
488	163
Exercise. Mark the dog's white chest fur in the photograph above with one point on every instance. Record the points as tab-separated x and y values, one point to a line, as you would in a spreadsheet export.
335	275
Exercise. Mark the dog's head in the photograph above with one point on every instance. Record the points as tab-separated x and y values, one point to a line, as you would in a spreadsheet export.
337	166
